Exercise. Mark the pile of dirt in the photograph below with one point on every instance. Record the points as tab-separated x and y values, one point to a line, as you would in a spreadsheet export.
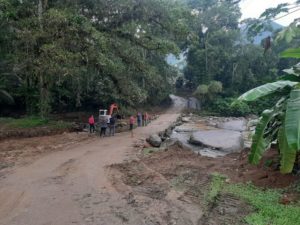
156	176
26	150
32	132
235	166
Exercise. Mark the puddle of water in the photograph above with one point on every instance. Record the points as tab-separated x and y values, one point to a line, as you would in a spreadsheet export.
184	137
184	132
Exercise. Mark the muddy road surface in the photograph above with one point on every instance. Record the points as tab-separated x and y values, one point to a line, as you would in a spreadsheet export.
80	179
74	186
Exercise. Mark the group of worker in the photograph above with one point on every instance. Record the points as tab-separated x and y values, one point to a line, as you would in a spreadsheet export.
142	119
104	123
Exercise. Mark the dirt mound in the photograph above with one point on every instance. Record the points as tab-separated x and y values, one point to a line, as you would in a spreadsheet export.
182	181
235	166
143	181
26	150
30	132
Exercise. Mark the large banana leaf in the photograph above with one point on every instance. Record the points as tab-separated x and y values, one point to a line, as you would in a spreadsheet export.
291	53
295	70
288	156
292	120
265	90
259	142
291	77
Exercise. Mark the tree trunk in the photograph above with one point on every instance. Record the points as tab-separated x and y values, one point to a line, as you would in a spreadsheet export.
44	97
40	13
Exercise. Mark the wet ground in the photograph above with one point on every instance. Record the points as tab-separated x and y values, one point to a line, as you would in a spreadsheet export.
176	184
84	180
215	130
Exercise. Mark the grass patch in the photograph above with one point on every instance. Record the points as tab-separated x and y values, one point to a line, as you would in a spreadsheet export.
32	122
26	122
265	202
216	187
149	151
59	125
267	206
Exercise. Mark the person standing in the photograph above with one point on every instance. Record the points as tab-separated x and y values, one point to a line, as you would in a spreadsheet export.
139	119
112	125
145	119
92	124
131	123
103	125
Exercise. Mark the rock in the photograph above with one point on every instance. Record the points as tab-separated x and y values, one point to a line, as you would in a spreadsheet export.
163	138
193	103
122	124
186	128
185	119
212	124
252	128
236	125
252	123
76	127
178	123
223	140
247	136
154	140
161	134
169	142
168	132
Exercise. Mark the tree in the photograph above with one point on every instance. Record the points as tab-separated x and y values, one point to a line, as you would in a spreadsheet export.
281	122
72	54
216	30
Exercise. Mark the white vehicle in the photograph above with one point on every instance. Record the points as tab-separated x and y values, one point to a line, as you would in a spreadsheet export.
104	113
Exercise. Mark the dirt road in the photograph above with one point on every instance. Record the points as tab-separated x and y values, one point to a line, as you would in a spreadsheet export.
72	187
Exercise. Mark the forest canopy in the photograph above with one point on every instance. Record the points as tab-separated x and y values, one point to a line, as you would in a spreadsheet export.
63	55
58	56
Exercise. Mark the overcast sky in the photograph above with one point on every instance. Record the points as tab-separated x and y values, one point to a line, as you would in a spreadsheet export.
253	9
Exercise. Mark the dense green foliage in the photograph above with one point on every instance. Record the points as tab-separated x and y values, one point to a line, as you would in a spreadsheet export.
219	51
208	93
281	122
224	107
223	50
62	55
58	56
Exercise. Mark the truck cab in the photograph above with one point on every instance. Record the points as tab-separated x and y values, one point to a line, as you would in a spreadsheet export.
103	115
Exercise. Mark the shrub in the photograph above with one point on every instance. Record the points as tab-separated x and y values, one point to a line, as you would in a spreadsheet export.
208	93
201	90
215	87
224	107
239	109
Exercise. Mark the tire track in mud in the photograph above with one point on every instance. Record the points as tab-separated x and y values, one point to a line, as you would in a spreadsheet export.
11	200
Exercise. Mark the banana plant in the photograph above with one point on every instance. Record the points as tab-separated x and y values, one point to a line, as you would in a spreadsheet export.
281	123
